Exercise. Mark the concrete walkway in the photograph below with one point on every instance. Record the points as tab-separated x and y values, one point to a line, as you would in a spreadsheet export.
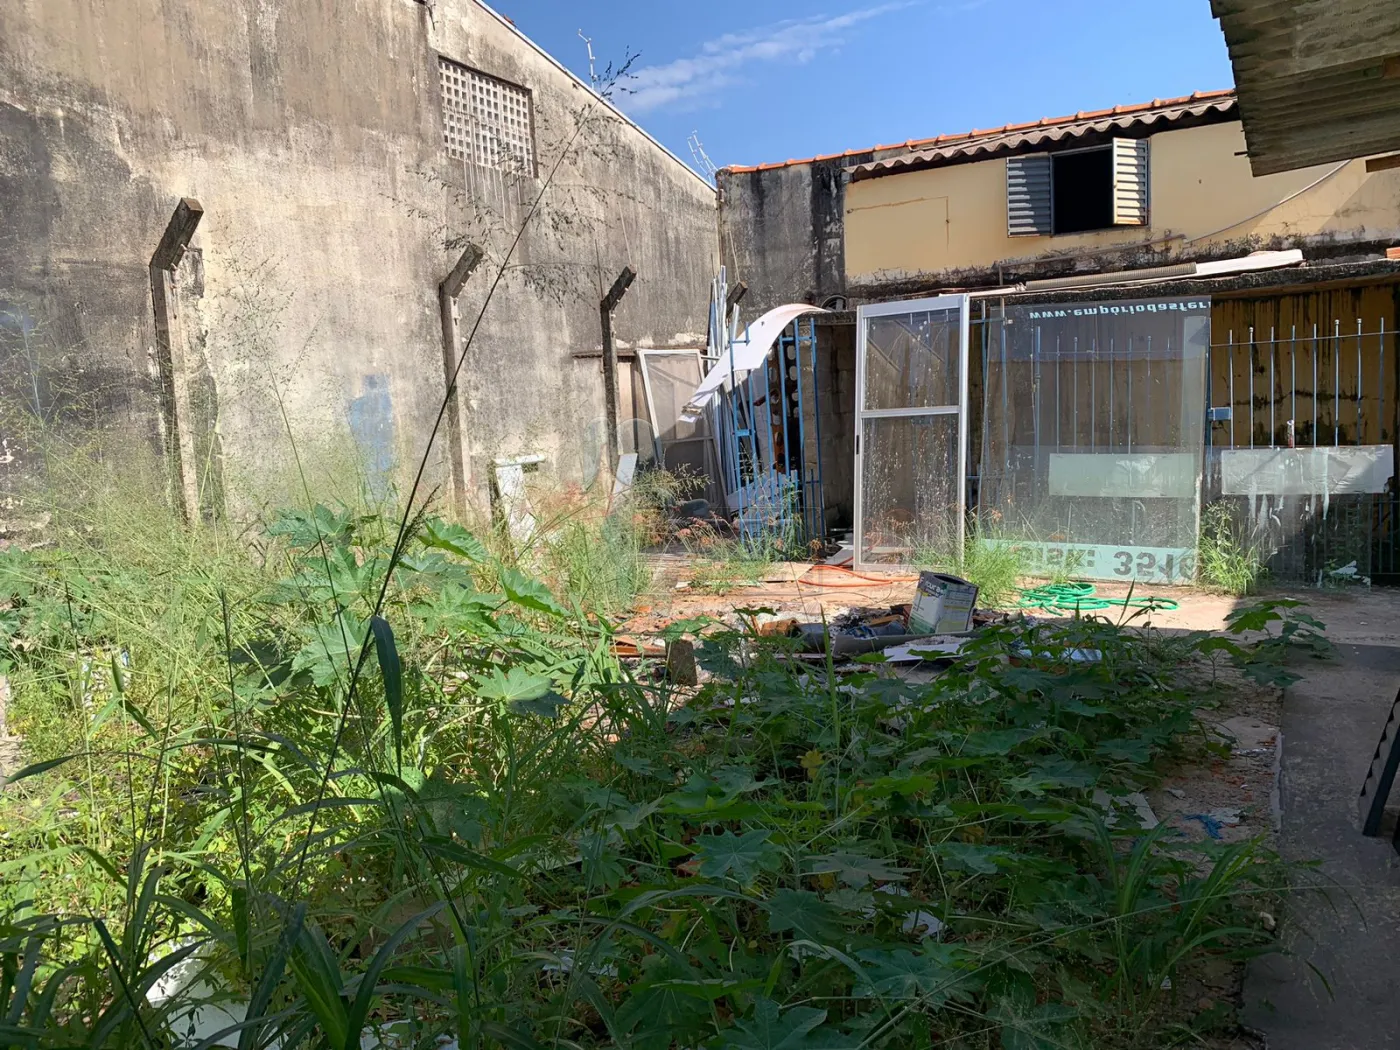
1331	722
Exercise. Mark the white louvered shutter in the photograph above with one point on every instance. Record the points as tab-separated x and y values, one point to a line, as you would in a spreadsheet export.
1130	182
1029	203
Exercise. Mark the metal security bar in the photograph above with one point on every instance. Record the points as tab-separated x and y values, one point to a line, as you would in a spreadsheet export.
1301	446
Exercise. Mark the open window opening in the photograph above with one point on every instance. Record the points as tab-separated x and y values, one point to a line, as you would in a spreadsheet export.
1076	191
1082	185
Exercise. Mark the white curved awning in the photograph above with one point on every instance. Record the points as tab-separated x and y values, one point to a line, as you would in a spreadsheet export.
749	352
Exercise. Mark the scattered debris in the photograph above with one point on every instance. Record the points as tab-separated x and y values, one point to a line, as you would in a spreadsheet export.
625	474
942	604
1248	735
1208	822
680	663
1075	656
512	503
845	555
937	647
1215	820
776	626
631	649
1137	802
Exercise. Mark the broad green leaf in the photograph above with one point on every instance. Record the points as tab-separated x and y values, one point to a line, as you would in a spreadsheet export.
392	671
1257	617
997	741
936	975
513	685
1136	751
854	869
769	1028
598	855
1054	772
331	650
857	902
739	857
1262	672
704	793
458	609
1028	680
642	766
550	705
660	1005
908	782
309	530
456	540
981	860
806	915
530	593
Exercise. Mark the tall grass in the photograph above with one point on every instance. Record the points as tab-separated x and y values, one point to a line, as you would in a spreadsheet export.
522	844
588	543
996	568
765	536
1226	559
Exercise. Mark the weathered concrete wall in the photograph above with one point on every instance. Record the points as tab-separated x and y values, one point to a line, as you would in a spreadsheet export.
836	380
781	232
948	226
311	133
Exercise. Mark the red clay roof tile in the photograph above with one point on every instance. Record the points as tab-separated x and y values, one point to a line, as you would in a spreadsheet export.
978	133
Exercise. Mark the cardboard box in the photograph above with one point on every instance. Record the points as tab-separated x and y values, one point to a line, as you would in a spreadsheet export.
942	605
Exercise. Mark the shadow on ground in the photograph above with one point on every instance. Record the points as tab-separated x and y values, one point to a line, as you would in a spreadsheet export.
1331	722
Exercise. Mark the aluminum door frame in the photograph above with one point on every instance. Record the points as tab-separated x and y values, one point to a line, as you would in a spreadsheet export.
910	306
714	483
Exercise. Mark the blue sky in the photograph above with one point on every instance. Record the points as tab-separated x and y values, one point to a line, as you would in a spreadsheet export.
766	80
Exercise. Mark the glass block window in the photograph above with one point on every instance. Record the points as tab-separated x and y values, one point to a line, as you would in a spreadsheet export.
485	120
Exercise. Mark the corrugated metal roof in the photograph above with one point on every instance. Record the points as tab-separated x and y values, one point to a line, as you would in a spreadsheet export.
1048	129
1318	82
979	145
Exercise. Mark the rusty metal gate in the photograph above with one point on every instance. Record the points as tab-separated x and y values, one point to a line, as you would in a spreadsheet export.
1301	445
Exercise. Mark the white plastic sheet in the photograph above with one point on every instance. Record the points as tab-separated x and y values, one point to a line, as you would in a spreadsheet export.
1322	471
1137	475
750	352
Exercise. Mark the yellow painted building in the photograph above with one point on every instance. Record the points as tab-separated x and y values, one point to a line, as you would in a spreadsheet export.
933	216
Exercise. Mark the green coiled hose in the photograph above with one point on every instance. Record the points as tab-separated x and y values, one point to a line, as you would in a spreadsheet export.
1081	597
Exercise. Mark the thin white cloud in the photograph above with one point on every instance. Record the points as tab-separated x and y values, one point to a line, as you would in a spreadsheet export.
721	62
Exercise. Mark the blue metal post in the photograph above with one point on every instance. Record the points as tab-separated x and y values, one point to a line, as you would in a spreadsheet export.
783	343
819	503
